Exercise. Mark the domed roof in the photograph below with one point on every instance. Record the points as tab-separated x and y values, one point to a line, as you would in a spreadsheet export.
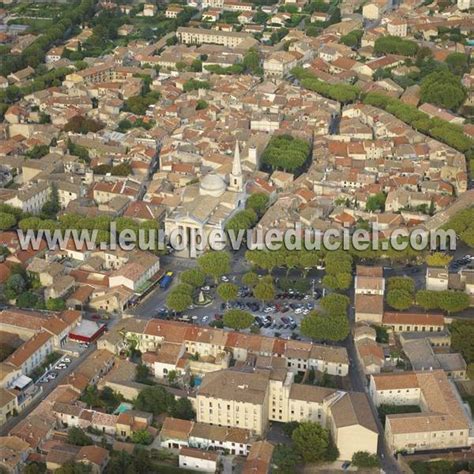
213	185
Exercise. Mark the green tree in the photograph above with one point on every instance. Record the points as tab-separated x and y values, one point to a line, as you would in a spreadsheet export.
178	302
444	89
399	299
338	270
237	319
52	206
183	409
72	467
325	327
258	202
462	338
194	84
80	124
172	376
7	221
331	322
15	285
395	45
250	279
142	437
201	104
245	219
453	301
352	39
376	202
91	397
142	374
35	468
286	153
155	399
422	55
27	299
37	152
77	437
214	264
458	63
285	459
264	291
251	62
123	169
334	303
338	262
365	460
172	41
401	283
340	281
193	277
184	289
427	299
55	304
312	442
196	66
438	259
227	291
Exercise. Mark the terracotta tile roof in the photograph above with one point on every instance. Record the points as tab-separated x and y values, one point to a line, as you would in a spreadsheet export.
259	458
24	352
93	454
199	454
176	428
420	319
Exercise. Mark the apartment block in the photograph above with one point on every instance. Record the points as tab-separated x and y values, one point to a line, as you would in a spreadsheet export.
213	348
369	290
201	36
442	423
252	397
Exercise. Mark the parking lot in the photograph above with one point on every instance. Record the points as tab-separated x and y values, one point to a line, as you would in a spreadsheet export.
467	261
61	364
280	317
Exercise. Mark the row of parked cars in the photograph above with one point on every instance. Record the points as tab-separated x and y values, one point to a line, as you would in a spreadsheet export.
53	373
286	322
461	262
291	294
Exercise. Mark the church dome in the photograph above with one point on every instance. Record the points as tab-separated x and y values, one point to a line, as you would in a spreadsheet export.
212	185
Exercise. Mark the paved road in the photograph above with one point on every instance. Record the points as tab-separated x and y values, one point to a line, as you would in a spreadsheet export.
156	299
51	385
359	383
47	389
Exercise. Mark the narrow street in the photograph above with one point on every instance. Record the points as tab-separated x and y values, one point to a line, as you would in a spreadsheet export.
47	389
359	383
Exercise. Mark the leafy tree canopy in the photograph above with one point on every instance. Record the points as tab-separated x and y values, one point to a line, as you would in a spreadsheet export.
286	153
237	319
313	443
